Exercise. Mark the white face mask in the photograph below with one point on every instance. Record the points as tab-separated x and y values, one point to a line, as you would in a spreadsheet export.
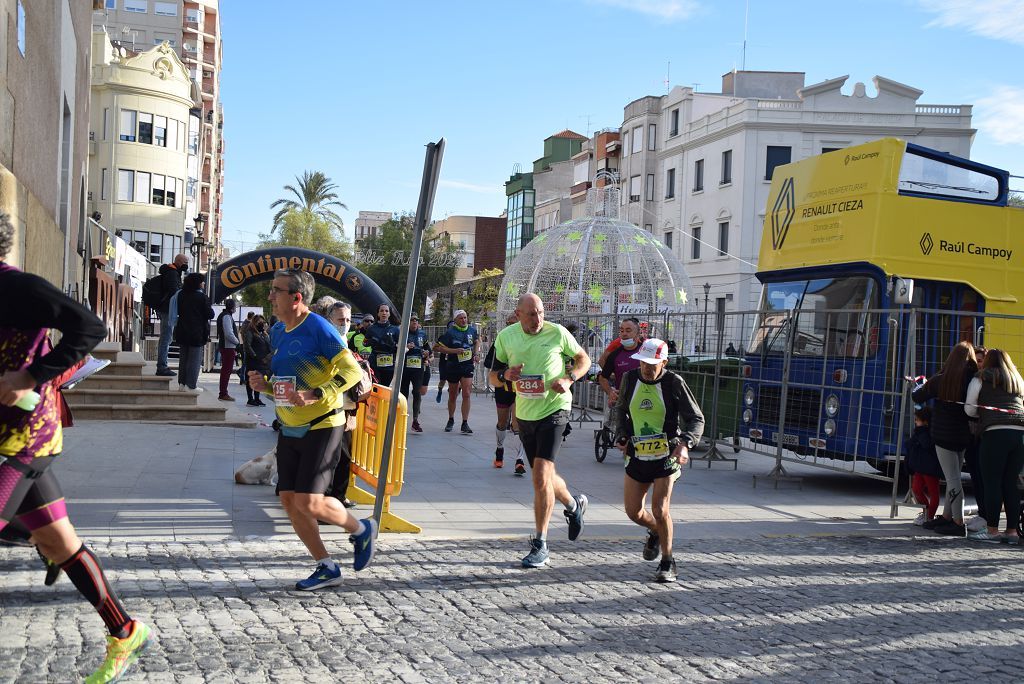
628	344
343	328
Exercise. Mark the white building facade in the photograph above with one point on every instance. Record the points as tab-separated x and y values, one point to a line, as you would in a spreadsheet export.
696	167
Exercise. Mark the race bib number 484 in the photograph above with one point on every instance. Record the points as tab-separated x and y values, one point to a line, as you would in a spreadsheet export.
530	386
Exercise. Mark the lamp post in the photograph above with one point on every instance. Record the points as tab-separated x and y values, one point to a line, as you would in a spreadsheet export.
199	241
704	322
211	263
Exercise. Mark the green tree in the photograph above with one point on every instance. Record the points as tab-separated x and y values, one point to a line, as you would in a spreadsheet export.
482	301
315	193
305	229
384	257
1016	199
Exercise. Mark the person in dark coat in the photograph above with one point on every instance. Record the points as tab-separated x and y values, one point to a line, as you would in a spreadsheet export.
923	466
192	331
257	354
170	282
951	431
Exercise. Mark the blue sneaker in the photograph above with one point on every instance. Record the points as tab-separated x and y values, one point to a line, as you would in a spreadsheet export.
538	555
438	398
363	545
323	576
575	518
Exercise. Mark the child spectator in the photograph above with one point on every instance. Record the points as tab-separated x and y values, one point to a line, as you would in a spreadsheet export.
923	466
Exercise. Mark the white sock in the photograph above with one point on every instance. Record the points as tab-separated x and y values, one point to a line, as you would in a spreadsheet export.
329	562
573	506
360	529
500	434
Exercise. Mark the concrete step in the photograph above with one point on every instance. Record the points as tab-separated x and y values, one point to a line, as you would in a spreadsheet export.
93	396
123	368
107	350
129	382
151	413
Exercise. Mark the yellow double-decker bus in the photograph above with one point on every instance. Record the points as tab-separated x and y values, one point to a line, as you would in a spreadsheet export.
855	242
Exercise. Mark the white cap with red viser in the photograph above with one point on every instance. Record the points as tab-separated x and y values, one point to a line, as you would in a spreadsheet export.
652	351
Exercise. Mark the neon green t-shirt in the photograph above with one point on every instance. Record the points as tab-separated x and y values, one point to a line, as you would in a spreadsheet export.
543	357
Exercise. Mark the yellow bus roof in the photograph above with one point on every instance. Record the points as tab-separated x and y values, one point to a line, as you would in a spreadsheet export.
844	207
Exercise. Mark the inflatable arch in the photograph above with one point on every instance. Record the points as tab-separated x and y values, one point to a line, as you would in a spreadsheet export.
329	271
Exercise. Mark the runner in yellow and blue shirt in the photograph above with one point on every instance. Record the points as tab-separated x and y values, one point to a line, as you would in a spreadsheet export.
657	422
531	355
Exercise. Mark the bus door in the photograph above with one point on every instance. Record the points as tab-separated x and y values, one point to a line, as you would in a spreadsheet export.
938	332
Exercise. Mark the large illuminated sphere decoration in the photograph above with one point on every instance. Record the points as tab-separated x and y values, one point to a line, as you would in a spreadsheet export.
599	267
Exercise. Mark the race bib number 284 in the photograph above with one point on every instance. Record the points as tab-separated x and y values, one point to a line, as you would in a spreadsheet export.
530	386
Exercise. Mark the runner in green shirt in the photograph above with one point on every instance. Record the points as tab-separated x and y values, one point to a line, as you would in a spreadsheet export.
532	355
657	422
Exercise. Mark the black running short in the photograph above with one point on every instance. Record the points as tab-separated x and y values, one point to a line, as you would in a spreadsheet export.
649	471
34	498
454	372
305	465
503	398
543	438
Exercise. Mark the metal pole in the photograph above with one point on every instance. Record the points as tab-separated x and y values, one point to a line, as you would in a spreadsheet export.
428	187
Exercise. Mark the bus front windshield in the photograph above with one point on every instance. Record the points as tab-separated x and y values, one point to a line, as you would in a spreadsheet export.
830	314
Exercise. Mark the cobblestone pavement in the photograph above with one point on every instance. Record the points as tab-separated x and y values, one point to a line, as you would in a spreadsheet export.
849	608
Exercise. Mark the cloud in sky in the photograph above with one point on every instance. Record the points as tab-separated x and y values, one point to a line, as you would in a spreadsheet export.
998	19
668	10
1001	115
471	187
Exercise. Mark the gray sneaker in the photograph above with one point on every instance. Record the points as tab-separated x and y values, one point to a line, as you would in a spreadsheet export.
652	548
538	555
575	518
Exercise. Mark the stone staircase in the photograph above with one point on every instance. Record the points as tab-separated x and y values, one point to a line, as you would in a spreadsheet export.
127	390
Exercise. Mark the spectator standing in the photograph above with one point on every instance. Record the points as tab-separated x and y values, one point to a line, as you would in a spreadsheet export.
228	344
999	386
171	277
257	355
923	466
950	431
192	331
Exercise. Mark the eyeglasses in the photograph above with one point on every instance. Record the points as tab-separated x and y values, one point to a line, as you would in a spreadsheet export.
279	290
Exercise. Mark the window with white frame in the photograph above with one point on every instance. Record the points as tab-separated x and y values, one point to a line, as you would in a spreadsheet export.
172	135
141	6
698	175
673	117
634	188
160	131
163	37
776	155
158	189
723	238
104	180
194	16
145	128
125	185
165	9
142	185
581	171
127	130
111	4
652	136
726	167
670	183
668	239
695	248
638	140
21	28
649	189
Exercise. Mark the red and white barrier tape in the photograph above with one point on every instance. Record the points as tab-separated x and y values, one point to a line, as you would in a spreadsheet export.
920	380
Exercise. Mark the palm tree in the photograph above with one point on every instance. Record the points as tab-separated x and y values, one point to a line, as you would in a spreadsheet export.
316	193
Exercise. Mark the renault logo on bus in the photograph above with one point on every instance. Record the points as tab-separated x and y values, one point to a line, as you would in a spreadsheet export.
927	244
783	213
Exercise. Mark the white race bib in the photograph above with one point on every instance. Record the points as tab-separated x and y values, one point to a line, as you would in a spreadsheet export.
413	362
465	355
530	386
651	447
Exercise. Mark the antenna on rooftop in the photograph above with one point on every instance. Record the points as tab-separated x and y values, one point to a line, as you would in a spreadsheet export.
746	17
668	76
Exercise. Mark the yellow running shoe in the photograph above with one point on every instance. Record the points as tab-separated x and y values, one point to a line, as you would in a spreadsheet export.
121	654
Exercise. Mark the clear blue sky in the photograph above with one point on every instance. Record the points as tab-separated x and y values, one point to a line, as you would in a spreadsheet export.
356	89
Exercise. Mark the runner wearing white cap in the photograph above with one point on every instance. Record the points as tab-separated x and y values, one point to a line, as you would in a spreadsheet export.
462	344
657	421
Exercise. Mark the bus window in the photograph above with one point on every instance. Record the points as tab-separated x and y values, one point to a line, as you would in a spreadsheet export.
922	175
942	335
968	302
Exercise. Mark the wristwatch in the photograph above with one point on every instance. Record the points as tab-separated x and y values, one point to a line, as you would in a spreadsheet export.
501	376
318	393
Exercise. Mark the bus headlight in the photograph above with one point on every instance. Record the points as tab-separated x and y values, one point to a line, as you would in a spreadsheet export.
748	415
748	396
832	406
830	427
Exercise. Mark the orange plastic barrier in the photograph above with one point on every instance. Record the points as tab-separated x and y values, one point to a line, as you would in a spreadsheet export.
368	452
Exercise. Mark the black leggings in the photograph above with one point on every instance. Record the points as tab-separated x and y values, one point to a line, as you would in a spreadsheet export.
36	500
413	377
1002	456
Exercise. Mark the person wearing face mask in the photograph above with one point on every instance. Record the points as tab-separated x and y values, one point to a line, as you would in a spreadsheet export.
619	360
417	356
657	422
257	354
340	316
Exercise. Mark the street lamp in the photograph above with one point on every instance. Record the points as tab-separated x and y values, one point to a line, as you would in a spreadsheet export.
199	241
704	323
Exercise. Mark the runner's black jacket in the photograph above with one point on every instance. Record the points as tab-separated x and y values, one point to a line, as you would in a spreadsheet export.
683	418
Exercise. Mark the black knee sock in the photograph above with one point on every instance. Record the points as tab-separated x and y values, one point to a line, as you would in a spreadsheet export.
85	572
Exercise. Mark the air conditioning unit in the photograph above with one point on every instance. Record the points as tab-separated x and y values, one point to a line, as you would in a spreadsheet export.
189	47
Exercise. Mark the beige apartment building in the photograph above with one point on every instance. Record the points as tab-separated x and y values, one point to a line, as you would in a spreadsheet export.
139	146
368	222
192	29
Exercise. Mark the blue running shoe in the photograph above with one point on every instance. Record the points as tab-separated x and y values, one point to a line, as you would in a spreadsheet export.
575	518
323	576
363	545
538	555
439	390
